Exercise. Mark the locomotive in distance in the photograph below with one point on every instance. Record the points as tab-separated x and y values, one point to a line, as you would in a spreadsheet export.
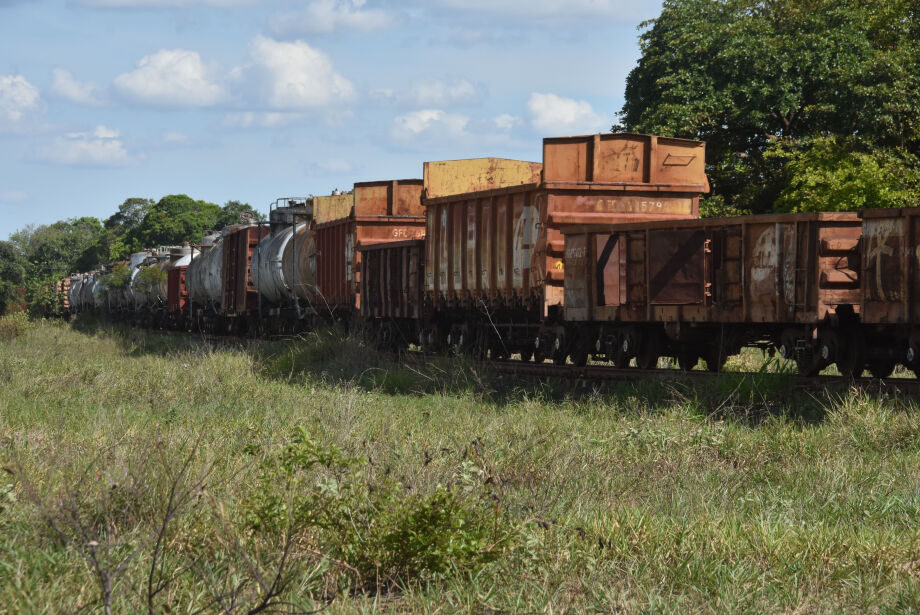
597	252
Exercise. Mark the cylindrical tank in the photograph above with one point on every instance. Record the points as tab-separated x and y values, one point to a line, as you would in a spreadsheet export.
100	296
73	295
86	292
273	267
134	296
204	273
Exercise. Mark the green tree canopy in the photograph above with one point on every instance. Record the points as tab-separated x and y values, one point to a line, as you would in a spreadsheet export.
761	80
12	276
55	250
231	213
172	220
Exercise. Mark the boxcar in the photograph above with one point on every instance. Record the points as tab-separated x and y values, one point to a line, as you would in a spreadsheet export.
705	288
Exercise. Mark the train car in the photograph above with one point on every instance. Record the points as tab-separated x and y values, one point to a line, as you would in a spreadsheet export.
890	274
221	294
705	288
375	212
176	292
280	266
239	296
494	258
392	290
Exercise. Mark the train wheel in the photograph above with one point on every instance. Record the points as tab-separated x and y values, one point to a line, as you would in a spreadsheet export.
881	368
687	359
497	350
627	345
559	351
715	358
580	354
649	353
852	361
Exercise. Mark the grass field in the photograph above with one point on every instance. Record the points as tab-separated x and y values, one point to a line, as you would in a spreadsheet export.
147	473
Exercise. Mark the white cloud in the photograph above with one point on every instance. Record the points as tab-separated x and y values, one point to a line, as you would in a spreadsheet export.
249	119
19	102
506	121
101	148
439	94
428	122
64	85
432	93
102	132
13	196
296	76
554	115
171	77
324	16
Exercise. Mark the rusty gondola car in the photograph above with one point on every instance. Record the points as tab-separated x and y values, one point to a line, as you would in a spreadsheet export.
890	275
494	247
705	288
375	212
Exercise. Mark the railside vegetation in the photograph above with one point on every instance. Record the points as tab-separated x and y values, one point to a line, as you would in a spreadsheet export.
151	473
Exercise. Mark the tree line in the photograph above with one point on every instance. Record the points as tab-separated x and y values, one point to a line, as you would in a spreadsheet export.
805	105
36	256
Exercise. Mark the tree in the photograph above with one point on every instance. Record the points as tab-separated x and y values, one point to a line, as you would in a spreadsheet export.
755	78
12	276
55	250
232	210
114	242
130	214
172	220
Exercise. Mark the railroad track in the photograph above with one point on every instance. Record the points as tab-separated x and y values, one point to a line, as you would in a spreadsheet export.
603	373
610	374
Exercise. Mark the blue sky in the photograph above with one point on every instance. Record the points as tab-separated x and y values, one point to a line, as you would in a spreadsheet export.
101	100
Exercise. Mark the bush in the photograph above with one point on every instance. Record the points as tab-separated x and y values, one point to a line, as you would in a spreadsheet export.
383	532
13	325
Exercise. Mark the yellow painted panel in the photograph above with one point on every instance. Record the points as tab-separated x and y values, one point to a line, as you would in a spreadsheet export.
449	177
334	207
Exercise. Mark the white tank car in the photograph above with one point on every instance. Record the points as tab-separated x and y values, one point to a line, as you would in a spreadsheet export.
203	277
280	266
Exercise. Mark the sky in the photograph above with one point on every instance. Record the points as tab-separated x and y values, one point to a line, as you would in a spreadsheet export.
252	100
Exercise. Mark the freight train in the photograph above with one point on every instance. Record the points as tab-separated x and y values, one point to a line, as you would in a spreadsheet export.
597	253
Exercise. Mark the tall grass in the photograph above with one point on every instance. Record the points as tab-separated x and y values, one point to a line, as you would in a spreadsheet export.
154	473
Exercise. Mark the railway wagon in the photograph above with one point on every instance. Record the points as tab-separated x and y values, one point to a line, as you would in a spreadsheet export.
373	213
494	259
279	266
392	290
176	292
219	286
705	288
239	296
890	275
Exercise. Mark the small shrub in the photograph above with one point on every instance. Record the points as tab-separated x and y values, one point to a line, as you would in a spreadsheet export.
13	325
384	533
